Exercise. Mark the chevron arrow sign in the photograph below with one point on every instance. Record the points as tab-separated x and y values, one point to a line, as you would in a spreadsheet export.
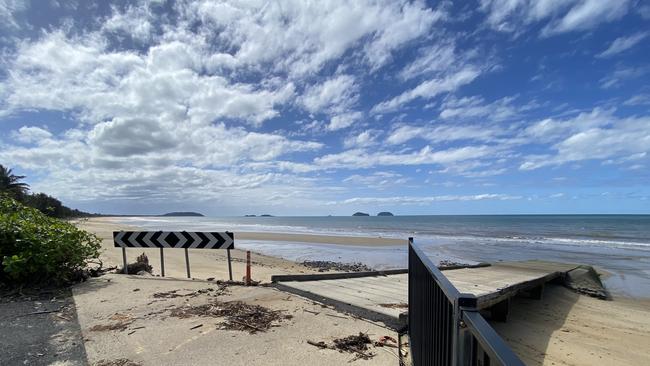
174	239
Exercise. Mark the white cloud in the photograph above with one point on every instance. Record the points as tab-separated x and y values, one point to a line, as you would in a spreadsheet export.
424	200
430	88
134	21
335	95
302	36
81	74
587	14
438	133
623	43
595	136
377	180
8	10
472	107
622	74
360	158
344	120
31	134
416	20
551	129
644	11
562	15
363	139
434	59
641	99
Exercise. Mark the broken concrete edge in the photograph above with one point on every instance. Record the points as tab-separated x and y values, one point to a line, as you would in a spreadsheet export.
585	280
335	276
395	323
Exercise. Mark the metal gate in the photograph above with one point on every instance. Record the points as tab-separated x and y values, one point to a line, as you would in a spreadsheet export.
445	327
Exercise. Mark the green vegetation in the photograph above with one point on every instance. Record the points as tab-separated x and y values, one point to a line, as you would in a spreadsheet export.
38	249
12	186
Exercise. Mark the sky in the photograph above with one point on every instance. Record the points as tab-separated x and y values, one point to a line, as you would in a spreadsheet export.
329	107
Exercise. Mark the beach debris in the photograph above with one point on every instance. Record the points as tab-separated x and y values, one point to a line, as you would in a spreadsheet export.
356	344
134	329
117	362
320	344
99	270
323	266
141	265
238	315
196	326
395	305
122	321
386	341
172	294
167	294
238	283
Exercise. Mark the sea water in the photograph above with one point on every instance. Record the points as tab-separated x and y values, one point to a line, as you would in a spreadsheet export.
619	244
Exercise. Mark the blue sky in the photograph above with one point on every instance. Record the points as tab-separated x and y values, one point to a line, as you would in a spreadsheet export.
308	108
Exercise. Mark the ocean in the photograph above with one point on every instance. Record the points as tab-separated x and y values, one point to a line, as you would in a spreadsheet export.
618	244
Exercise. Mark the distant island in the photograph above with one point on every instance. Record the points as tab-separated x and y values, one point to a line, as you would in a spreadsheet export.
360	214
385	213
266	215
250	216
182	214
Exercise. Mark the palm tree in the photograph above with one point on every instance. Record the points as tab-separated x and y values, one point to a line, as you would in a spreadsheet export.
11	184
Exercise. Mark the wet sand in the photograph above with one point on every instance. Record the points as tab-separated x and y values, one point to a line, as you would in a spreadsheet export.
322	239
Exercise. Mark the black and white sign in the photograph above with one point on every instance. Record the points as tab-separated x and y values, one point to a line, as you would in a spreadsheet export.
174	239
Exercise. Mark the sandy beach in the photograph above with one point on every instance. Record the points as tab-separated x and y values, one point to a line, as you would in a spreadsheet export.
564	328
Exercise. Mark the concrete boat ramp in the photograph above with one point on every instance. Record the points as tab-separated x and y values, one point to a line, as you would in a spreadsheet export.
383	296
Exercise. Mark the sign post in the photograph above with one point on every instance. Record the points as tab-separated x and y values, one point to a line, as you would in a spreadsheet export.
174	240
126	268
187	263
229	265
162	263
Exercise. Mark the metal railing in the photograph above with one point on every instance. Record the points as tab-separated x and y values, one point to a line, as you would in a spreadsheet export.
445	327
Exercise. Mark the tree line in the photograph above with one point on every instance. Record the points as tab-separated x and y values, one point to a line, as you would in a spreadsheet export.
13	186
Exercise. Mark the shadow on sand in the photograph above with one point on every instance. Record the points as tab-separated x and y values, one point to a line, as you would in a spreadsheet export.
532	323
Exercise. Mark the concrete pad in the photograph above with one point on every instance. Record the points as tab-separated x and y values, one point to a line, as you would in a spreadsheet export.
370	295
41	330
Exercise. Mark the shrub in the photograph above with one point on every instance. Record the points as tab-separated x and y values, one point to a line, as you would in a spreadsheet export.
37	249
